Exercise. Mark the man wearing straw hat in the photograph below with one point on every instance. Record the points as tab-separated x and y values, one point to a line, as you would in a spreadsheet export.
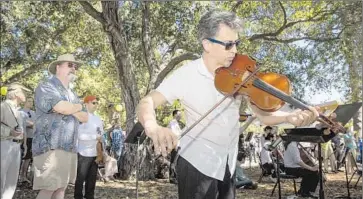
59	114
11	137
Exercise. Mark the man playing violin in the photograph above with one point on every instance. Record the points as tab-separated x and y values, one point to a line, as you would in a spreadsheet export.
208	152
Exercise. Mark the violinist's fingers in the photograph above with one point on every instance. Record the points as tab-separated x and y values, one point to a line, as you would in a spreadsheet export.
155	139
315	113
162	142
169	141
333	115
306	118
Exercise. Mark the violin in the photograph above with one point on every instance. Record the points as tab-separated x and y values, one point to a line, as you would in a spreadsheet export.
267	91
227	79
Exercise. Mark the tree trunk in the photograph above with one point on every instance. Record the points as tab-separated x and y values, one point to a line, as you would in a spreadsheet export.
118	39
130	93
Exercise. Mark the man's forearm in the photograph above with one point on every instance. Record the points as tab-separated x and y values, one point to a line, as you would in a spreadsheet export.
81	116
269	118
67	108
145	111
272	119
305	166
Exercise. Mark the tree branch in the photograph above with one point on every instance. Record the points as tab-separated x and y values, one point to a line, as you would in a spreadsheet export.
89	9
234	8
146	43
286	25
34	67
316	39
27	71
171	65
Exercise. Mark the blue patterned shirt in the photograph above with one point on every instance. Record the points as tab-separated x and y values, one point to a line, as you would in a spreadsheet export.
54	130
117	139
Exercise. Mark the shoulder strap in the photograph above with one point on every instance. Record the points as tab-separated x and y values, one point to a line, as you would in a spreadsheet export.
16	119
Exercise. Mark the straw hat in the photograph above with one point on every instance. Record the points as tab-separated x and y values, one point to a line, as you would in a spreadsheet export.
62	58
17	86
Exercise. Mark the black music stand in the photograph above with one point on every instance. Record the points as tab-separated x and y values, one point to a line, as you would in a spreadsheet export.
345	113
273	147
136	136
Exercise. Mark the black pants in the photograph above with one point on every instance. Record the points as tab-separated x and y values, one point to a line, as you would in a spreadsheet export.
86	172
172	174
268	167
193	184
310	179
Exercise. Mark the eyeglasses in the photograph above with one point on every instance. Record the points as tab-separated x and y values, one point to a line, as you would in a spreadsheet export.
228	45
95	103
72	65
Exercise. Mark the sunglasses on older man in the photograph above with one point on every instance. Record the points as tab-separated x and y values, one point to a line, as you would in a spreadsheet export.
95	103
227	45
72	65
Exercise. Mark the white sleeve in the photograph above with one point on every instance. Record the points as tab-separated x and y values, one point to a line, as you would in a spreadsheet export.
296	153
173	86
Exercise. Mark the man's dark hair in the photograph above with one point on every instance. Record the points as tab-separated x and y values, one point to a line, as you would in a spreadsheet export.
267	128
175	112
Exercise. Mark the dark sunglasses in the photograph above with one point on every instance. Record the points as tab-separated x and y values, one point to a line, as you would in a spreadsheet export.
95	103
29	115
228	45
72	65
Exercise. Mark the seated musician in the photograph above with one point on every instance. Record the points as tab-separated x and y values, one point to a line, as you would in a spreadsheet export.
266	159
296	167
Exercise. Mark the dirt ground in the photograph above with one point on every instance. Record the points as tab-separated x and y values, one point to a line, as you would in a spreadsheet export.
161	189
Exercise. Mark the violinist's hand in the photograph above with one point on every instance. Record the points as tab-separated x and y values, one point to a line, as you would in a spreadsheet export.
303	118
163	138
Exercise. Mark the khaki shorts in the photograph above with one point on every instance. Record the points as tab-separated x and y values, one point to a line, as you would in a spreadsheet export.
54	169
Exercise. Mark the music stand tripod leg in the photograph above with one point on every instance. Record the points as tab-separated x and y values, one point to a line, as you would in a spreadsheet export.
278	172
321	190
137	167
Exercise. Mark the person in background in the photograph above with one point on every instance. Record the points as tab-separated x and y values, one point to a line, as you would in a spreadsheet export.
328	155
266	160
11	137
28	120
59	113
296	167
117	141
89	133
338	142
351	149
175	127
267	130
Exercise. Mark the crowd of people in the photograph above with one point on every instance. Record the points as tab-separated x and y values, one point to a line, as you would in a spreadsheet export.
61	139
67	140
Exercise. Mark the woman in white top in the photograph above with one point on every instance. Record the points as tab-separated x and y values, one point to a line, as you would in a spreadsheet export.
296	167
88	135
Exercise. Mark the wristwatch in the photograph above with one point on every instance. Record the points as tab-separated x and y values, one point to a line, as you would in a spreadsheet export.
84	107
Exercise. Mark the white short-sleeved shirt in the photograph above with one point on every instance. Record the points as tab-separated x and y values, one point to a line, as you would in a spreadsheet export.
87	136
174	126
215	138
265	154
292	156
